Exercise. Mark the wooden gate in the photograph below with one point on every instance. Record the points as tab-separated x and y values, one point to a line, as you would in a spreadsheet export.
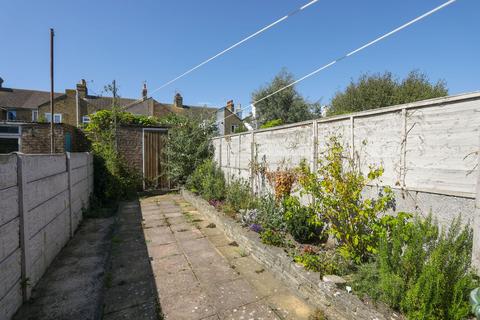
154	159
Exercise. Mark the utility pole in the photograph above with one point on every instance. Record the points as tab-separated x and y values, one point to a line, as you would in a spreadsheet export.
52	109
114	111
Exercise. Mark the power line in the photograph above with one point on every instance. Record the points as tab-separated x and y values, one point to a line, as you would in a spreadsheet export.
351	53
230	48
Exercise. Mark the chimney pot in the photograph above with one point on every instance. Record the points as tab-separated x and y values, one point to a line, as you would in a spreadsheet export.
178	100
144	91
82	89
230	106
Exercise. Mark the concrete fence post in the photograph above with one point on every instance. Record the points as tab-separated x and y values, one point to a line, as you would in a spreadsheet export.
314	145
476	223
24	240
352	137
68	156
252	162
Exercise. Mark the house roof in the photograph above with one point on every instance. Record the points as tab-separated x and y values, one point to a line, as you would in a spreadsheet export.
100	103
163	109
23	98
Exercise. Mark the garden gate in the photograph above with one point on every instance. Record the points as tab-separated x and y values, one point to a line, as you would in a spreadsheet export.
154	159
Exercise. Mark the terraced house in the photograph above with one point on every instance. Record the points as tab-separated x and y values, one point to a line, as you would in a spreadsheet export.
30	110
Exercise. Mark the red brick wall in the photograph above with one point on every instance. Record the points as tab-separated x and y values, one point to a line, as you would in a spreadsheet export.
35	138
129	143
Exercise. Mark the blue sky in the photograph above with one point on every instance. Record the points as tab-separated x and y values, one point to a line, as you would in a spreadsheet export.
154	41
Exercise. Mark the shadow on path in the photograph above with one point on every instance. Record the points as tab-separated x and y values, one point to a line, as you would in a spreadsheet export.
130	285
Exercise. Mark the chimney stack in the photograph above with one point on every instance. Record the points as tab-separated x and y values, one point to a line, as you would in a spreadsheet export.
82	88
144	91
230	106
178	100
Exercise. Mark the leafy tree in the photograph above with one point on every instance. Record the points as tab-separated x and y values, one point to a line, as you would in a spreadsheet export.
382	90
188	144
288	105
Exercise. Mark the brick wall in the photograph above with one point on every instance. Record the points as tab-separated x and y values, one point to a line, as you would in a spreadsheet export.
66	106
35	138
129	142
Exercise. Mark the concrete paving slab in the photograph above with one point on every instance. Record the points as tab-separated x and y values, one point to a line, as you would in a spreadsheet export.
193	304
289	306
177	220
232	252
231	294
180	282
170	265
160	251
160	239
256	311
201	277
131	291
188	235
220	240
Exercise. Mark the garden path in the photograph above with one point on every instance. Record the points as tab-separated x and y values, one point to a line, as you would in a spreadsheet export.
201	275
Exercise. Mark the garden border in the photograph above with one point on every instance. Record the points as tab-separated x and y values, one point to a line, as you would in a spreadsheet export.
336	303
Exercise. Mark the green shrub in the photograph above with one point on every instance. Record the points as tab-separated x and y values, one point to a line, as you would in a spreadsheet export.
325	262
337	189
302	222
422	272
208	181
311	261
115	179
271	124
273	237
239	196
270	213
188	144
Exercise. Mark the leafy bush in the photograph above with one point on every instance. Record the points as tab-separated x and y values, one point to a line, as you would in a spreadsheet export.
239	196
248	217
117	180
337	189
188	145
271	124
302	222
422	272
273	237
325	262
270	213
311	261
208	181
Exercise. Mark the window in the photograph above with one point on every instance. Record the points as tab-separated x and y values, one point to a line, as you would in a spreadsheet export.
85	119
12	115
234	127
34	115
57	117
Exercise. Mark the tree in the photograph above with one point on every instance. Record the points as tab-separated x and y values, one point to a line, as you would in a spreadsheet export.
382	90
287	105
188	144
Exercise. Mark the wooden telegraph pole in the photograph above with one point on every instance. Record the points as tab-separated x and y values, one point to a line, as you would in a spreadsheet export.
52	108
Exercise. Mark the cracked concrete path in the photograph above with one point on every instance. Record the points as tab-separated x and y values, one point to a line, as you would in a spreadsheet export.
201	275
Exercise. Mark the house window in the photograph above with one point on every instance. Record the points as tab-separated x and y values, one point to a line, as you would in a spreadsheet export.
34	115
57	117
85	119
234	127
12	115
